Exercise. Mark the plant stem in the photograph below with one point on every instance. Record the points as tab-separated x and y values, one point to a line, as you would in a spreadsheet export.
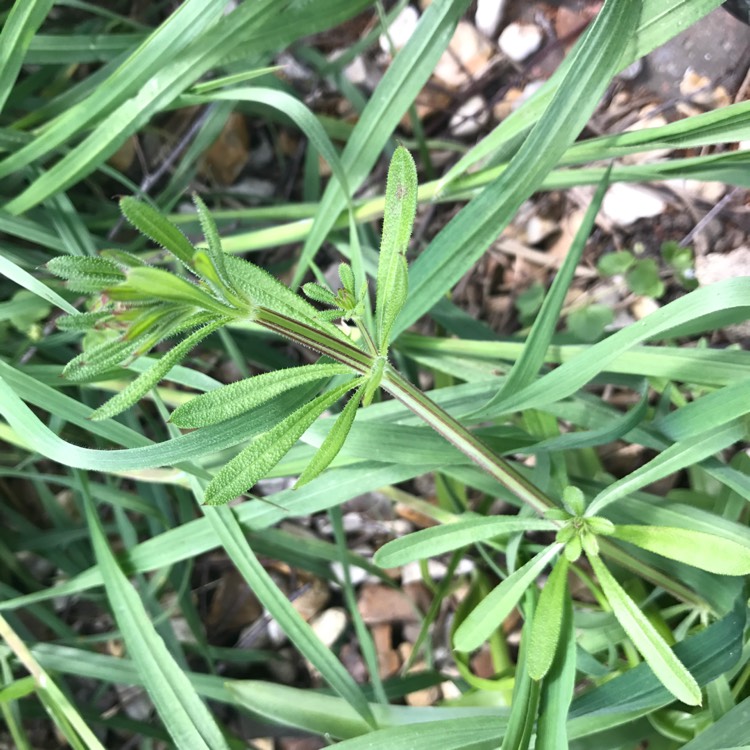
470	445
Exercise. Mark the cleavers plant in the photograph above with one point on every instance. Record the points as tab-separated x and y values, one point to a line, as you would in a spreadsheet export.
137	305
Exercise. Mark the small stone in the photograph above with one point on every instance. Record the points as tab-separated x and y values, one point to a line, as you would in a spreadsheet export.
714	267
329	625
470	117
632	71
520	40
539	229
643	307
378	604
488	16
400	31
624	204
467	55
356	71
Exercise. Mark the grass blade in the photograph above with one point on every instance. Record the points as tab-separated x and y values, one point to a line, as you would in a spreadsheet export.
462	242
394	94
24	18
540	336
184	714
232	537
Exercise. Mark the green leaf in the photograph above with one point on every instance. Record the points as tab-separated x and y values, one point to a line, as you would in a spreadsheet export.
147	380
398	218
100	358
236	398
466	237
439	539
527	366
19	27
254	462
86	274
497	605
643	278
319	293
588	323
666	666
616	263
184	714
150	222
558	687
82	321
215	251
547	622
231	534
706	551
151	284
333	441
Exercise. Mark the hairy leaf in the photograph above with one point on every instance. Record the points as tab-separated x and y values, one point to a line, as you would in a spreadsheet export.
548	616
398	218
498	604
147	380
236	398
158	228
333	441
666	666
252	464
709	552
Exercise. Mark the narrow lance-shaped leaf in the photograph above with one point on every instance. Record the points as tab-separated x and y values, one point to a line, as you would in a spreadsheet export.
498	604
670	671
158	228
252	464
85	275
398	218
706	551
155	283
98	359
333	442
439	539
215	251
545	629
236	398
147	380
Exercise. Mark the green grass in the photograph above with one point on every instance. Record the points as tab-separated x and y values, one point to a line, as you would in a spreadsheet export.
108	506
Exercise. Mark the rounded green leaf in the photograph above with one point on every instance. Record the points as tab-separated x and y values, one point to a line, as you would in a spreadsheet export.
706	551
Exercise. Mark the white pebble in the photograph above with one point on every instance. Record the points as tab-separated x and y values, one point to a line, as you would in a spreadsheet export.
400	30
488	16
625	204
470	117
520	40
